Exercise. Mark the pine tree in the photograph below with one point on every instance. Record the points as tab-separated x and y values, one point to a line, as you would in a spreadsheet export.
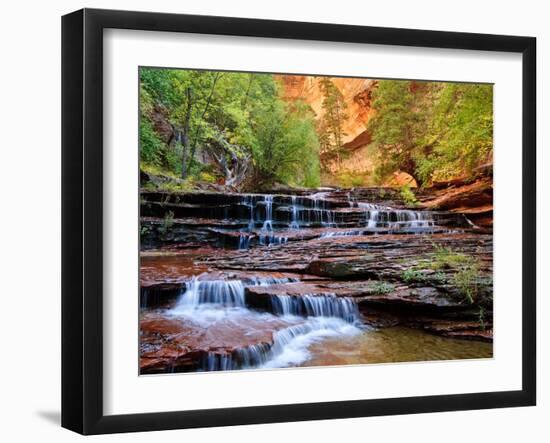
331	132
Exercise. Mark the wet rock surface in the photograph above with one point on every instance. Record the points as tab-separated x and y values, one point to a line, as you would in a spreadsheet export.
287	261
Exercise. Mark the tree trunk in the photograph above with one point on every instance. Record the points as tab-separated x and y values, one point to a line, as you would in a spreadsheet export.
410	168
197	132
185	134
251	79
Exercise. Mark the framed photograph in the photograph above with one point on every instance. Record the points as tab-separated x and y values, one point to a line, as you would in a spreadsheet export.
270	221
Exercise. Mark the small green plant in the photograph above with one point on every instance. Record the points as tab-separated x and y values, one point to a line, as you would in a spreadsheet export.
167	223
207	177
149	186
467	273
180	186
382	287
440	277
481	318
412	275
349	179
408	195
466	279
445	258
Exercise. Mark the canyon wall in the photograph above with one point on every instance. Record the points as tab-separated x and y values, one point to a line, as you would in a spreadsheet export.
357	93
360	159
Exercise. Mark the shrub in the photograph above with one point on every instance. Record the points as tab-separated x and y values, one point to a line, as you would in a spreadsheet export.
408	196
466	279
467	275
411	275
445	258
382	287
167	224
207	177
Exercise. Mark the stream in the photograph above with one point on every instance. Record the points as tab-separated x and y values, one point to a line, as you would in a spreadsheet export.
255	281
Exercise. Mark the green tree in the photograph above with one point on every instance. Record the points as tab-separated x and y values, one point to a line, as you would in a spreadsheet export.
330	128
236	122
431	130
396	128
460	131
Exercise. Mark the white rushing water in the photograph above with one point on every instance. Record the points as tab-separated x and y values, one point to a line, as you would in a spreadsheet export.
315	306
386	217
294	211
291	345
312	319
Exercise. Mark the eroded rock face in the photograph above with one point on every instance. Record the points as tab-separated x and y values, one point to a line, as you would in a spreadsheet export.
280	260
183	343
356	92
472	197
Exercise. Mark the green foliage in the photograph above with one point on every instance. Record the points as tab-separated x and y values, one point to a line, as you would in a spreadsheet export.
180	186
467	275
382	287
413	275
207	177
446	258
433	131
330	127
151	147
461	129
466	279
440	277
408	196
167	223
352	179
286	145
235	116
481	318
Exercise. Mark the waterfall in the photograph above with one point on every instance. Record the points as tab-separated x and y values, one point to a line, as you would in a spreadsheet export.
223	292
413	219
268	281
384	216
244	241
243	358
209	301
268	222
266	233
315	306
326	217
289	347
248	200
294	221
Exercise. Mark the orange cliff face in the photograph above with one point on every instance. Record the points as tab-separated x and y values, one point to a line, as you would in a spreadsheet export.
357	93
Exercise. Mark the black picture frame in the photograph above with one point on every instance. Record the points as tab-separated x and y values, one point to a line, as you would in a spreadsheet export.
82	219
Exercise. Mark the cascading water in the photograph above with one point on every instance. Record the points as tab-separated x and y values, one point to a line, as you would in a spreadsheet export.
209	301
289	347
383	216
315	306
248	201
413	219
268	222
222	292
294	222
267	236
326	216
